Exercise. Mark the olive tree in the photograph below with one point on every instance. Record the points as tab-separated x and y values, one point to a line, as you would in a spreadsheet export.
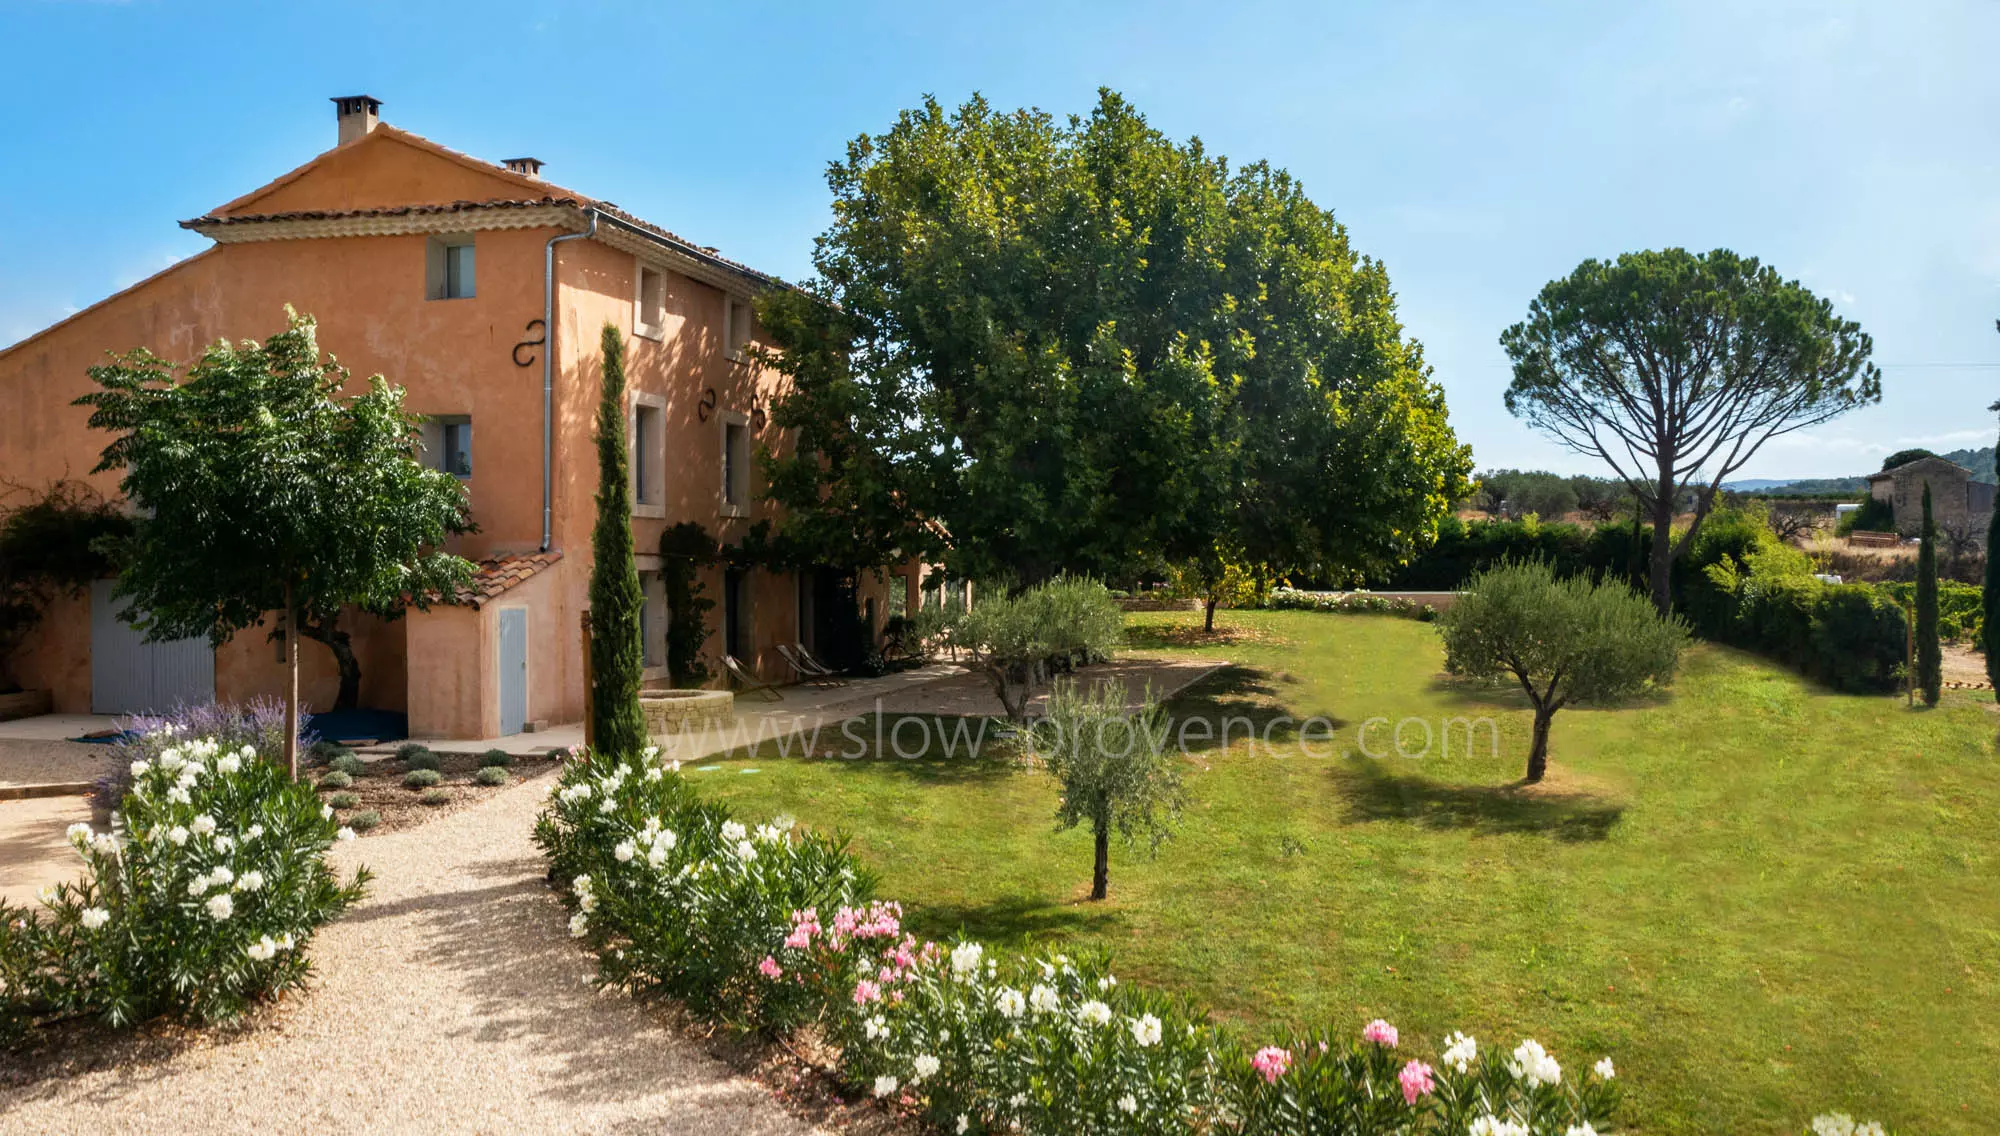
1564	641
1113	765
1019	642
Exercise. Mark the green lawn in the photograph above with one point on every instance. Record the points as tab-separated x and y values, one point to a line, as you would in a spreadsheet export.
1762	899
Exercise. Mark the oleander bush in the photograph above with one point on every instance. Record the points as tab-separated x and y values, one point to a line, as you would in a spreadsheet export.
205	904
336	780
495	758
422	779
343	801
768	929
258	723
490	775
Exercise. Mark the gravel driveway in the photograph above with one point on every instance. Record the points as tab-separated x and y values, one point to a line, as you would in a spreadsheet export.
451	1000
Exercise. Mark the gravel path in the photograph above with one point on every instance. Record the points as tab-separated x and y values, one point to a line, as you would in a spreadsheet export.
451	1000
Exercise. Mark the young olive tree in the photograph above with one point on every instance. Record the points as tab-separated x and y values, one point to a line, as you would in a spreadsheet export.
1018	642
1114	766
1564	640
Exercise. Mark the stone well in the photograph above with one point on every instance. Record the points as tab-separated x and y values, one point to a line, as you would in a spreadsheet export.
671	712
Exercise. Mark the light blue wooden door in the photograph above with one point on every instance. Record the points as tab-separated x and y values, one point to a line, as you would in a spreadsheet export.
131	676
513	669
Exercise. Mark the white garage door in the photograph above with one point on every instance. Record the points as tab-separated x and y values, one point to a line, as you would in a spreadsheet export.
131	676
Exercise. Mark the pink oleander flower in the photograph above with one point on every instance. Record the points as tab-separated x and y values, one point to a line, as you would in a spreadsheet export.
1380	1032
769	968
866	992
1416	1079
1271	1062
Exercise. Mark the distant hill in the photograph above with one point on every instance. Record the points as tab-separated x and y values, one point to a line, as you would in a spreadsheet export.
1980	462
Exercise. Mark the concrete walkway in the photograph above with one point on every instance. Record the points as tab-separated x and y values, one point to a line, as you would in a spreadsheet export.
451	1000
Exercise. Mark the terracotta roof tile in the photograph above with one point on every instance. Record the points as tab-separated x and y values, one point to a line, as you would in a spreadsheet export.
496	574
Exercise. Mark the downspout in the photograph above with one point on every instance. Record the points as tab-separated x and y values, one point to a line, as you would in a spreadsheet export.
549	372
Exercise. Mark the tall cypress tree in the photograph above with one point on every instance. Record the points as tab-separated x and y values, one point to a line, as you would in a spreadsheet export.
616	655
1989	631
1930	659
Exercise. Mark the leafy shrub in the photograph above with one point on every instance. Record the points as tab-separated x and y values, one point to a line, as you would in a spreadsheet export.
364	820
343	801
434	797
205	905
348	763
421	778
769	930
491	775
1873	516
258	723
1961	608
495	758
415	756
1464	548
323	752
336	780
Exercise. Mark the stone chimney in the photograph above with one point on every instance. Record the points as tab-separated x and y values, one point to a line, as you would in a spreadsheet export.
531	167
357	115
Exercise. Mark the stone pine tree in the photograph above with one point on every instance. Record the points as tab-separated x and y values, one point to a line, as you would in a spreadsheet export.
1930	658
616	655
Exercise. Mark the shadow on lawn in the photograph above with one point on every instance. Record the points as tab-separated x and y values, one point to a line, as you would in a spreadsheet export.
1013	921
1508	695
1373	795
1237	694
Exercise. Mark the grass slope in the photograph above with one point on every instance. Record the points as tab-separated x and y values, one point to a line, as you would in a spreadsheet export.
1764	900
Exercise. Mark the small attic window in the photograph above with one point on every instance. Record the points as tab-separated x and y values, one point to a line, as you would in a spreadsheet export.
649	314
739	321
449	268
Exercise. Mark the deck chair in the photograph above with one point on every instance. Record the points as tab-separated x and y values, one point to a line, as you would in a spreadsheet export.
751	685
807	672
818	667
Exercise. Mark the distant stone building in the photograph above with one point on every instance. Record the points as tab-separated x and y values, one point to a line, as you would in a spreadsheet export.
1957	501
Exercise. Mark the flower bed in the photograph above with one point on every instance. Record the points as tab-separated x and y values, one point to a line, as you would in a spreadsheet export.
1354	603
204	902
769	929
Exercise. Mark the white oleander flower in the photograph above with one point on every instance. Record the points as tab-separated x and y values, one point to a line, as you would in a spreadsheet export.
141	768
1871	1128
885	1085
1010	1003
1128	1104
1532	1064
769	834
1833	1124
1107	982
93	917
1094	1012
179	796
1583	1129
1146	1031
875	1028
733	832
221	907
177	836
965	957
578	925
1604	1069
247	752
285	941
326	812
197	887
587	902
221	875
228	764
104	844
1460	1052
924	1066
624	851
345	834
1494	1126
252	880
262	949
78	834
650	752
746	851
964	1123
1043	1000
608	805
253	832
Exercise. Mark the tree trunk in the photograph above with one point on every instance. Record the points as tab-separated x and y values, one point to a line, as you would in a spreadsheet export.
341	644
1100	875
291	684
1663	550
1538	752
1208	616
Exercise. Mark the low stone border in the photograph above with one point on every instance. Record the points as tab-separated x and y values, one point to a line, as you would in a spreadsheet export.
48	789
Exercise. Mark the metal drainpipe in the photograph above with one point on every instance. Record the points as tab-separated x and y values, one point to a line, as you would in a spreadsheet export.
549	373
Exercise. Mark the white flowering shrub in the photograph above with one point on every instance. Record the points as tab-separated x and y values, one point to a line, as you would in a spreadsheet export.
677	898
1841	1124
204	903
769	930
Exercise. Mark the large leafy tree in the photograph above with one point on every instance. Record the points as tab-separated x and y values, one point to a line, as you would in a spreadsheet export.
1079	346
261	488
1675	368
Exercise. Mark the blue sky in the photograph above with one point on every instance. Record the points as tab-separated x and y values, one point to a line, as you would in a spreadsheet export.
1479	150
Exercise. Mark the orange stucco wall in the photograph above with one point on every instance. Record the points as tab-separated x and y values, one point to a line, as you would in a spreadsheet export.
454	357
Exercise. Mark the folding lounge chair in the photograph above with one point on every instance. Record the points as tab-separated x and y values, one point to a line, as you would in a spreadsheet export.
807	658
751	685
806	671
